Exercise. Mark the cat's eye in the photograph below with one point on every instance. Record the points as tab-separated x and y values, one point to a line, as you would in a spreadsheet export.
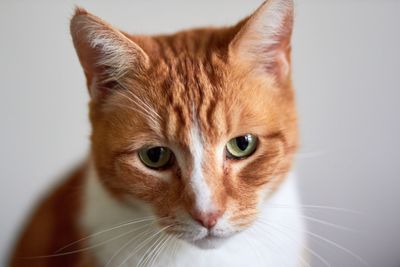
241	146
156	157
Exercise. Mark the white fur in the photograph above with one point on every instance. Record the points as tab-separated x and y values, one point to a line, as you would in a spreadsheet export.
259	245
199	185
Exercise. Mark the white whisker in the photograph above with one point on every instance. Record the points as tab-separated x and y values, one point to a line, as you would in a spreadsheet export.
339	247
258	256
158	252
312	252
142	110
174	248
317	207
118	226
149	250
83	249
351	253
146	107
149	108
328	224
271	244
142	244
130	241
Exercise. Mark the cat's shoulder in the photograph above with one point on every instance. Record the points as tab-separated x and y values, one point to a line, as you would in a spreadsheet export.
54	223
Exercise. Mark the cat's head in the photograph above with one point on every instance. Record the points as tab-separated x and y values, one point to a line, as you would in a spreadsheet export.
200	125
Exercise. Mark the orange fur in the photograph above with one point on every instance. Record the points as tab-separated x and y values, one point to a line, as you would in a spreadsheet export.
191	74
53	225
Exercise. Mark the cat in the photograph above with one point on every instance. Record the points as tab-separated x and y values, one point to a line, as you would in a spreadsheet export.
193	138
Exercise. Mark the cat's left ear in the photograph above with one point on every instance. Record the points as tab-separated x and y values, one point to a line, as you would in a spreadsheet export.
263	42
106	54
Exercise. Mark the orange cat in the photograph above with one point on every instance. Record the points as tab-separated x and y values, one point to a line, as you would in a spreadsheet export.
193	136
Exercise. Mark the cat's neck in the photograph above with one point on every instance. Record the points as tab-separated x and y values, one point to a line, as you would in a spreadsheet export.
275	239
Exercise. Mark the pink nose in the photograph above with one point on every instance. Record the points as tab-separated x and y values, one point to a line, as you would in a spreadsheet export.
208	220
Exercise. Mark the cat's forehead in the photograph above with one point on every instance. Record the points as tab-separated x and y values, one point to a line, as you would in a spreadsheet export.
195	87
192	96
217	110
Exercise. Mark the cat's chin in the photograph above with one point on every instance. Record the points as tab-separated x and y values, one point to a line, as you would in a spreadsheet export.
209	242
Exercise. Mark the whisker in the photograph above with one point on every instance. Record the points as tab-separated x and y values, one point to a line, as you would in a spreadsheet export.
329	224
346	250
134	103
174	248
147	256
254	250
163	245
130	241
132	108
154	123
148	109
128	223
83	249
142	244
150	249
270	245
339	247
312	252
157	249
143	110
317	207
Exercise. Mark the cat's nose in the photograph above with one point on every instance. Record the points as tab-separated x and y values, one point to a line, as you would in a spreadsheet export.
207	219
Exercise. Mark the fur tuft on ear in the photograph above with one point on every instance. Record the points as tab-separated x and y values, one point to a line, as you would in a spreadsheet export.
263	42
105	53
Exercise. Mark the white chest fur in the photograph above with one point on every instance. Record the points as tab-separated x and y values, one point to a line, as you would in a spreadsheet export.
275	240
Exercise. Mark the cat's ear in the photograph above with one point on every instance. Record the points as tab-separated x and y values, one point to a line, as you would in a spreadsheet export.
263	41
106	54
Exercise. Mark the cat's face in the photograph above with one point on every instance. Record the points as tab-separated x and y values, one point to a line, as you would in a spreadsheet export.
192	124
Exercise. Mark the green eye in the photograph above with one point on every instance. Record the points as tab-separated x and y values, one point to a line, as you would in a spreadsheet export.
241	146
156	157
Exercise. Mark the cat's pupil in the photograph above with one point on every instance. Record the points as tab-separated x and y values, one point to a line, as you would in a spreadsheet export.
242	142
154	154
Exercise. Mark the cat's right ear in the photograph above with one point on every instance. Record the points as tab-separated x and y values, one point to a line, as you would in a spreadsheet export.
106	55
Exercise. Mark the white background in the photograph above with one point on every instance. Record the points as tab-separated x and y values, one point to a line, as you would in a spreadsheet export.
346	69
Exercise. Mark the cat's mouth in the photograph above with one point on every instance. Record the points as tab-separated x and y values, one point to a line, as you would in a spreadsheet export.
206	240
209	241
